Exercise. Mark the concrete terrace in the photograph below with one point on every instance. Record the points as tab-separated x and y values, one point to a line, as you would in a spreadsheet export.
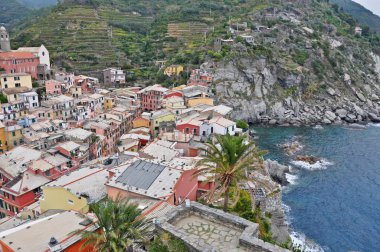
216	235
205	229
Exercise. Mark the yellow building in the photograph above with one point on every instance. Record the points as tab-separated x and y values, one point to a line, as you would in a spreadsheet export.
15	94
14	136
75	191
61	198
15	80
75	91
140	122
173	70
3	138
160	116
198	101
109	102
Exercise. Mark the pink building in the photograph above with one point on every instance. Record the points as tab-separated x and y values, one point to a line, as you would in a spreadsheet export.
103	129
151	97
87	84
53	87
19	62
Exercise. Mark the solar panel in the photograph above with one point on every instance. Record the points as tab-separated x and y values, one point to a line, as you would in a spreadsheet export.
140	174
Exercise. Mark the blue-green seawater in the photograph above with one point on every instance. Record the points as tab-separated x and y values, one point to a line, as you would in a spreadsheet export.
337	207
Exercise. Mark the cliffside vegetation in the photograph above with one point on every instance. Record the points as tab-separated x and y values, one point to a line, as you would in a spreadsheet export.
366	17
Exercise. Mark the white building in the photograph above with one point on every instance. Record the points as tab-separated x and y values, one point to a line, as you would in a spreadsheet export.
41	52
31	99
222	126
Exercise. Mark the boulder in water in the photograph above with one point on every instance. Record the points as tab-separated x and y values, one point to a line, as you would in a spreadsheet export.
308	159
277	171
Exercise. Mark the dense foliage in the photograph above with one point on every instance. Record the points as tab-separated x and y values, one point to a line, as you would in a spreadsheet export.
120	223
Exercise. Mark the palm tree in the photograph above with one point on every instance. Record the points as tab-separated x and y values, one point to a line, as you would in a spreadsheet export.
227	161
120	224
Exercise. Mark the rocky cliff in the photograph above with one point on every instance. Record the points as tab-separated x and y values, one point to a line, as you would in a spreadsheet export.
309	67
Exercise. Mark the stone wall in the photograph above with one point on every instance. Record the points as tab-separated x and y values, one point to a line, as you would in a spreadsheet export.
271	203
249	230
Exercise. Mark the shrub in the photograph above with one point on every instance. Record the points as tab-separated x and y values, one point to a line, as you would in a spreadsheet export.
301	57
35	84
242	124
3	98
244	204
158	246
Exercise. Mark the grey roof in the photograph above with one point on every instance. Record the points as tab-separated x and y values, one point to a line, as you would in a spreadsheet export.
140	174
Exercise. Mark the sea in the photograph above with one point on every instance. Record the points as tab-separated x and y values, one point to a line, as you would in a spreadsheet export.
333	205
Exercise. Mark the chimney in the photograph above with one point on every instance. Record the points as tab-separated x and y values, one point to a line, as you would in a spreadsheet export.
54	245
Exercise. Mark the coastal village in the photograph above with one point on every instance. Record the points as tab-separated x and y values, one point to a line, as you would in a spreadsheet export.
68	141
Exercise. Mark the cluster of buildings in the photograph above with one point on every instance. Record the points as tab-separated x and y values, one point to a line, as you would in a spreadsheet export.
76	143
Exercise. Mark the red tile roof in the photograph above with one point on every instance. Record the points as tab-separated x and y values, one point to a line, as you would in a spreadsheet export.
16	55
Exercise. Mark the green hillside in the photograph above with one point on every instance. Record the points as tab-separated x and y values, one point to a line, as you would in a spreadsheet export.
360	13
89	35
11	11
37	4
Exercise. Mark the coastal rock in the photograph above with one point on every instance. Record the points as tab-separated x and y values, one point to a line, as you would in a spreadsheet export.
374	118
308	159
292	147
277	171
359	111
272	122
342	113
326	121
360	96
330	116
374	97
350	118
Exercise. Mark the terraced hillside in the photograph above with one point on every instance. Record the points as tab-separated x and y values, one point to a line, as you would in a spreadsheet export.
79	38
188	30
86	36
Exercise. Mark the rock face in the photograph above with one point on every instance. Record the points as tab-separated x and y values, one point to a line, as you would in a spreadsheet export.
253	93
277	171
299	80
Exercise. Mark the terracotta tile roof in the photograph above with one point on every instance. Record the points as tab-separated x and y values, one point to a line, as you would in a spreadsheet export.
16	55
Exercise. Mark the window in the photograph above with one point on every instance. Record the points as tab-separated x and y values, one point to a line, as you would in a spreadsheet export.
47	173
13	133
17	78
187	131
70	202
13	198
195	131
14	143
6	86
5	79
17	84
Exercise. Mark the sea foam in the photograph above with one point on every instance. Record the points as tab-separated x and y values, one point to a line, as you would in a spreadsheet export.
319	165
301	242
291	178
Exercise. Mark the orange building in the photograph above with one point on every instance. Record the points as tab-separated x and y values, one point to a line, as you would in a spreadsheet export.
141	122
